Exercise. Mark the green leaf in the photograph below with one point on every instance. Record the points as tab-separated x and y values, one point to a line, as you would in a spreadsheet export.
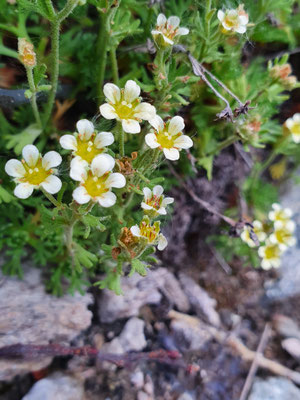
27	136
138	266
39	74
207	164
83	258
5	196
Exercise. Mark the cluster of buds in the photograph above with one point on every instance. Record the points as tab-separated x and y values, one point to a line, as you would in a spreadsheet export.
273	237
26	52
282	74
249	128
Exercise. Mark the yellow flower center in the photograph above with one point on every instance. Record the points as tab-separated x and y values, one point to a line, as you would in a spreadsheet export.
149	232
167	30
154	201
166	140
231	21
87	149
272	251
35	175
281	216
125	110
295	129
282	235
96	186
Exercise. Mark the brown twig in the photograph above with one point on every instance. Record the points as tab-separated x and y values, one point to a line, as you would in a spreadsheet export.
245	353
200	201
254	366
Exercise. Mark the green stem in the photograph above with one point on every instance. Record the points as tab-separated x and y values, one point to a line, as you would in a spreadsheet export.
55	27
114	65
51	198
102	44
50	8
66	11
33	96
225	143
121	139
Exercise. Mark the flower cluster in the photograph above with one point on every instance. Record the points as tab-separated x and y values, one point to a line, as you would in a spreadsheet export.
125	106
167	31
293	125
34	172
282	73
234	20
273	242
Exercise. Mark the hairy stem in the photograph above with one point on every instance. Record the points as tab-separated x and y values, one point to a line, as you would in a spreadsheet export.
121	139
102	44
33	96
114	65
51	198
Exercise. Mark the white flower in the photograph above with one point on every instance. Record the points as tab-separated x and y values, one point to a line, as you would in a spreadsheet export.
125	105
96	183
168	29
154	200
280	216
86	144
168	137
257	230
270	254
234	20
34	171
283	236
293	124
150	233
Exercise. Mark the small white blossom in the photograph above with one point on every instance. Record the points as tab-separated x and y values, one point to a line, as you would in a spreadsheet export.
125	105
86	144
154	200
168	29
150	233
284	236
96	183
270	254
280	216
234	20
168	137
34	171
293	124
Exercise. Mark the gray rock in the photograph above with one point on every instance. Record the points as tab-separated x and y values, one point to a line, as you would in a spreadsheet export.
292	346
202	303
29	315
189	336
132	337
137	379
56	387
289	283
139	291
274	389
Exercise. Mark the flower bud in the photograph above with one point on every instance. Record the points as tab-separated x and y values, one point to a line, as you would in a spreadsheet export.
26	52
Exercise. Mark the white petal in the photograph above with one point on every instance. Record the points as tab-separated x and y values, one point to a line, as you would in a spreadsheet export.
157	123
276	262
276	206
151	140
257	224
162	242
115	180
103	139
135	230
232	13
162	211
243	19
51	159
81	196
296	117
167	200
176	125
158	190
101	164
31	155
226	27
167	40
146	206
221	15
85	128
296	138
144	111
171	154
78	170
183	142
131	91
52	184
108	199
173	21
261	251
131	126
14	168
155	32
68	142
108	111
161	19
112	93
266	264
289	123
23	190
241	29
290	226
147	193
182	32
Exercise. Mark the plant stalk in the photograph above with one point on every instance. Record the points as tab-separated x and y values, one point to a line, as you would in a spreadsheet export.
32	88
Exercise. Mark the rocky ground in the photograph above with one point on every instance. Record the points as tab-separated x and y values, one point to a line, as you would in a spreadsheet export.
191	304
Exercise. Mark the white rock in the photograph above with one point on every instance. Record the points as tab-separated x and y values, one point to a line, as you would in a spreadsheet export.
132	337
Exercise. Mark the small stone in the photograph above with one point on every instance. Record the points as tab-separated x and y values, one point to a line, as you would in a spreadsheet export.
186	396
143	396
137	379
113	347
56	387
98	340
202	303
274	389
292	346
132	337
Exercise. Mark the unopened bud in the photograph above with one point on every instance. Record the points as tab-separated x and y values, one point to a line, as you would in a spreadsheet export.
26	52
